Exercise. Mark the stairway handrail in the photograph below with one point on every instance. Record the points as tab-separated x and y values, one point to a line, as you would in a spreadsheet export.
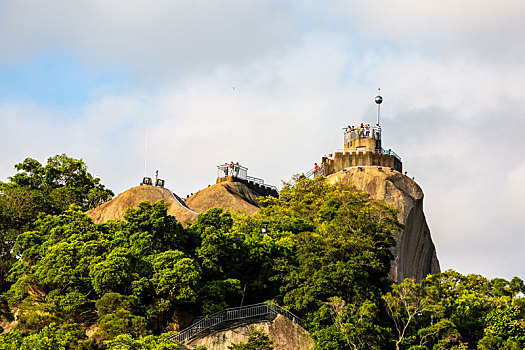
232	314
181	202
310	173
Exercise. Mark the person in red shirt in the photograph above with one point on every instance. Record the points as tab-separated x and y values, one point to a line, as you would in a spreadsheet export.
316	169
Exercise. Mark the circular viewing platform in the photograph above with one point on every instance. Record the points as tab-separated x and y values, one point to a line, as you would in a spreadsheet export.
362	147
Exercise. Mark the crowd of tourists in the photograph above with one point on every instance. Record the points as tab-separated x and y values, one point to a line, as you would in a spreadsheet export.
364	130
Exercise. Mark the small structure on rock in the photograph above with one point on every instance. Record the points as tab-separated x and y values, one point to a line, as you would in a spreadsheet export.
234	172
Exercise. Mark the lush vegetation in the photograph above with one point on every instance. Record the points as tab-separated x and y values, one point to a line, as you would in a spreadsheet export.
326	256
258	340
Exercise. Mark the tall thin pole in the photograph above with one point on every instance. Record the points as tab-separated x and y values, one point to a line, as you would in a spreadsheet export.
378	112
378	100
146	154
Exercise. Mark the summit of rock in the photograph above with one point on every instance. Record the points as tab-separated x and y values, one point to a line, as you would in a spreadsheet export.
415	253
229	195
115	208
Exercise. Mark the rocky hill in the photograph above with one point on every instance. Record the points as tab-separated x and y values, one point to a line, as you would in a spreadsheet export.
415	254
232	195
115	208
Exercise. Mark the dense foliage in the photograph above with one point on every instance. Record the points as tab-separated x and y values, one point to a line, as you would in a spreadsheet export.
258	340
326	256
38	189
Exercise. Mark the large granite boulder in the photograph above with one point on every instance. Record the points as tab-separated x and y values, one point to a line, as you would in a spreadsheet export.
286	335
115	208
415	254
229	195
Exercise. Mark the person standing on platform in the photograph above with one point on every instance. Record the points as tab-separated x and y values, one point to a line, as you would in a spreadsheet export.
236	169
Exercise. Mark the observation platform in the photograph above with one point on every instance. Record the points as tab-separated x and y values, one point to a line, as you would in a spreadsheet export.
362	147
239	173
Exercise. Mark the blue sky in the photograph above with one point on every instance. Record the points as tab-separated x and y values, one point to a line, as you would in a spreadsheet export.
90	78
59	81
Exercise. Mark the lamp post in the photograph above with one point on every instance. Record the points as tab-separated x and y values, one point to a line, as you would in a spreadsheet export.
378	100
264	228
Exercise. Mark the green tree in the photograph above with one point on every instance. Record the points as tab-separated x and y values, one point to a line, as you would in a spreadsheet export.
453	311
69	267
43	189
258	340
236	260
150	342
50	337
340	242
505	328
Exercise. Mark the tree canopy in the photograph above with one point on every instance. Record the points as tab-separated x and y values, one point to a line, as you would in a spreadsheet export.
325	256
38	189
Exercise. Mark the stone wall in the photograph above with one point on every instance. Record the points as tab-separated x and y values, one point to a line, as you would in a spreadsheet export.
359	158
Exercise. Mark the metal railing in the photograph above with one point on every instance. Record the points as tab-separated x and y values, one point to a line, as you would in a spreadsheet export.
235	170
260	182
311	173
373	132
255	180
214	321
242	173
182	202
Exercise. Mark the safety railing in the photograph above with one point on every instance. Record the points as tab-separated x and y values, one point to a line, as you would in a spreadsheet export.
241	172
182	202
255	180
372	132
215	321
312	172
235	170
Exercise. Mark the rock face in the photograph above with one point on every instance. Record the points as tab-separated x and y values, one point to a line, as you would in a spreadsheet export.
285	334
231	195
415	254
115	208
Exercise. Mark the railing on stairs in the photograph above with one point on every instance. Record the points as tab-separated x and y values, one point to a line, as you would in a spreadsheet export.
182	202
311	173
233	314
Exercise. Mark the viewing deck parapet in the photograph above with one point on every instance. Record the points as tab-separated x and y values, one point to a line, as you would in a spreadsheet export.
361	157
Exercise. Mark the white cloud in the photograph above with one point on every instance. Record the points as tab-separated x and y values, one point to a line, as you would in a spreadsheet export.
156	39
480	30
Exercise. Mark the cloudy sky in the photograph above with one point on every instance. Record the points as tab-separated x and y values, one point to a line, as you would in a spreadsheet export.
270	84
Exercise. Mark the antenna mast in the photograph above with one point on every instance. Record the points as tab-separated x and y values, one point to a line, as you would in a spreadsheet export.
378	100
146	153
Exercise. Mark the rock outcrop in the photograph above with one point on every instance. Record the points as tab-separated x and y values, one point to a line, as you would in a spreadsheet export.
230	195
115	208
285	334
415	254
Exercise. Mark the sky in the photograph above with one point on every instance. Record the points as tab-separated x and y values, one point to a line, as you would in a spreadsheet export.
134	86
